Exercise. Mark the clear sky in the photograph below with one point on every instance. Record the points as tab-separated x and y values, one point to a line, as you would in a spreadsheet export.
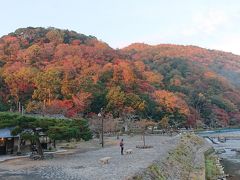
213	24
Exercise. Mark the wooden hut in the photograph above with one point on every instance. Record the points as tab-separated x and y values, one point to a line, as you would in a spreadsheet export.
8	142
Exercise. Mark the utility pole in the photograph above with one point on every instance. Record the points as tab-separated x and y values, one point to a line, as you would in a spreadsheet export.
100	115
19	106
102	133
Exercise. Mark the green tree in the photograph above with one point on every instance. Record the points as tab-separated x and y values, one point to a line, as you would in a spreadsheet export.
31	128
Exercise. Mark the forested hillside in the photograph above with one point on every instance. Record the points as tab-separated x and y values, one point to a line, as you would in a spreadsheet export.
63	72
225	64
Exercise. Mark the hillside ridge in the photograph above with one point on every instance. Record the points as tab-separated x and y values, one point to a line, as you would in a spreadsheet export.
54	71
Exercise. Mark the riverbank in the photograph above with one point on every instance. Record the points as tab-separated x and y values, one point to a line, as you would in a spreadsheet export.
213	167
227	150
186	161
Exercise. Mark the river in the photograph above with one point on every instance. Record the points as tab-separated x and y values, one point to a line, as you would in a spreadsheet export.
231	159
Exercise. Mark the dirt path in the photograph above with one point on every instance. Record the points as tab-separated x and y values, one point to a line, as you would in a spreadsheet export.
85	165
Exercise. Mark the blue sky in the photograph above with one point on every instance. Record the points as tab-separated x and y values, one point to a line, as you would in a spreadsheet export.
212	24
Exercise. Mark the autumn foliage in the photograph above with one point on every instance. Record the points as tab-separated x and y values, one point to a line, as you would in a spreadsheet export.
57	71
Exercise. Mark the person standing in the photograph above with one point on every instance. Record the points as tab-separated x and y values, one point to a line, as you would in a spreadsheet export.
122	146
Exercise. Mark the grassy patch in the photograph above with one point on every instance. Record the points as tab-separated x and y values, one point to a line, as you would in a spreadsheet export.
211	170
156	171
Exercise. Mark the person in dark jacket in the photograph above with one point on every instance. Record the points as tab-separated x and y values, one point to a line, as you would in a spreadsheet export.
122	146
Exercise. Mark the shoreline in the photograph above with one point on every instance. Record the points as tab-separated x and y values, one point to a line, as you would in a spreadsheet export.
213	165
185	161
226	144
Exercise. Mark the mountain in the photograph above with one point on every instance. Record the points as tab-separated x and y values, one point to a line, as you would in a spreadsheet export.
223	63
58	71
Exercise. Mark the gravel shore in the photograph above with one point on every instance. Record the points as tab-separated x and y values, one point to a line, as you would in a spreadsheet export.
86	166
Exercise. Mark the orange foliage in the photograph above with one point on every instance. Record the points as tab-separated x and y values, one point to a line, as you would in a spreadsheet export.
59	107
153	77
171	102
81	101
127	72
73	71
210	74
221	115
140	66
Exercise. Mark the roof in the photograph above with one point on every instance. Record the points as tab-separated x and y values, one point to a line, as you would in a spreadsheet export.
5	133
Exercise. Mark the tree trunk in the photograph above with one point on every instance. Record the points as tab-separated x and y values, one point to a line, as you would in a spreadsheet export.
126	127
19	145
117	135
39	147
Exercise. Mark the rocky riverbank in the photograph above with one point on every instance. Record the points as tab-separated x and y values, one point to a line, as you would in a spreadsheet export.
227	150
213	167
186	161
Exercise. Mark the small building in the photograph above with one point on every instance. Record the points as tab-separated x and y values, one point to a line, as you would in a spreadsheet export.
8	142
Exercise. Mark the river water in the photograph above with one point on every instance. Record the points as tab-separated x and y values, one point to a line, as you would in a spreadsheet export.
231	159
